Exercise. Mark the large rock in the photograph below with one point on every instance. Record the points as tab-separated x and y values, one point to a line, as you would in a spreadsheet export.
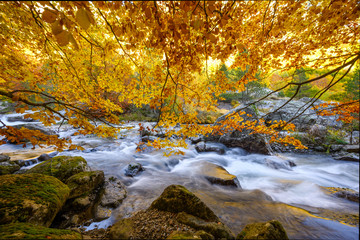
216	174
268	230
84	182
244	139
8	167
177	198
203	147
306	120
61	167
38	127
31	231
33	198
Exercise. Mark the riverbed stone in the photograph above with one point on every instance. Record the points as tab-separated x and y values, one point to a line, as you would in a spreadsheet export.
114	192
203	147
32	231
346	193
8	167
266	230
33	198
61	167
216	174
176	198
190	235
133	169
215	228
83	182
4	158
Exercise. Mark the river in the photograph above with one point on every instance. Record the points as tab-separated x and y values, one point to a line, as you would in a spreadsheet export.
298	201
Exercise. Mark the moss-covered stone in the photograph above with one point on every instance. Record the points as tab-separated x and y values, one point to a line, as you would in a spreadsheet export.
8	167
33	198
31	231
61	167
177	198
217	229
268	230
346	193
84	182
122	229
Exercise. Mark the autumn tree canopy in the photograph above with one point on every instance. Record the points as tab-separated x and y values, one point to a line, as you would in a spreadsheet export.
77	61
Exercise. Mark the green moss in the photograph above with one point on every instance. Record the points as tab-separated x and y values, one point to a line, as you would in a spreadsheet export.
122	229
84	182
268	230
31	231
177	198
8	168
61	167
31	197
182	235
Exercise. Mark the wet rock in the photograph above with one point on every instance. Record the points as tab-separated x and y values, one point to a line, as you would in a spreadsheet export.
354	157
195	140
38	127
216	174
8	167
346	193
20	119
43	157
84	182
61	167
77	211
336	148
133	169
215	228
32	198
4	158
202	147
254	143
352	148
279	163
267	230
114	192
102	213
177	198
32	231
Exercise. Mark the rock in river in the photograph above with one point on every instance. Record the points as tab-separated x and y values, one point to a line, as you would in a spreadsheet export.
267	230
61	167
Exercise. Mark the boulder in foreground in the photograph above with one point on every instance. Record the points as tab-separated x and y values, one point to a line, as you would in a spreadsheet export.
33	198
31	231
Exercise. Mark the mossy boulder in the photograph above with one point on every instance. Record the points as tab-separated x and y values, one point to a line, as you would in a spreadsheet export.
33	198
267	230
8	167
61	167
177	198
84	182
31	231
216	229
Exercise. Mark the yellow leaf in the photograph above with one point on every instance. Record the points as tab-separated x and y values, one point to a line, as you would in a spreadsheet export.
49	16
56	27
82	18
63	38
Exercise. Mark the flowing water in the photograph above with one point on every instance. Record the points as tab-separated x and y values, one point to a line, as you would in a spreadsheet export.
297	200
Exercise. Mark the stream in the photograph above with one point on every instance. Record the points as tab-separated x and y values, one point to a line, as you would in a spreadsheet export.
297	202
